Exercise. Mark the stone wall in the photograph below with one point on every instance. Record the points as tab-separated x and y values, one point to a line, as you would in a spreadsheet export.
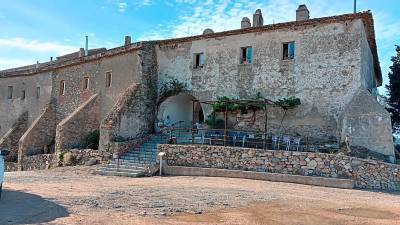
10	166
38	162
39	136
10	139
78	124
133	115
367	174
369	127
82	157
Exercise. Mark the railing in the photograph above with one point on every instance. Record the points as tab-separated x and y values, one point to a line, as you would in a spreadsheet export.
247	139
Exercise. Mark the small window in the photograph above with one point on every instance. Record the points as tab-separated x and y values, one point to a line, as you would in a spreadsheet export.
108	79
62	87
288	51
10	92
246	55
23	95
199	60
85	83
37	92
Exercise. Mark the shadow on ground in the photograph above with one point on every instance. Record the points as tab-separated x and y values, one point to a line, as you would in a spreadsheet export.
24	208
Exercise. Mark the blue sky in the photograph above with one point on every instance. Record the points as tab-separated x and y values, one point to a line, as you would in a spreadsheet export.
32	30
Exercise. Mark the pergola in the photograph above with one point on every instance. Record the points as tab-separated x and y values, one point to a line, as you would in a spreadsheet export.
266	102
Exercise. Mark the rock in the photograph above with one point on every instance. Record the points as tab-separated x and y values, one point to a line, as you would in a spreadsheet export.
91	162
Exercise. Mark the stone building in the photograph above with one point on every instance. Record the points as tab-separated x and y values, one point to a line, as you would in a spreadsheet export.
330	63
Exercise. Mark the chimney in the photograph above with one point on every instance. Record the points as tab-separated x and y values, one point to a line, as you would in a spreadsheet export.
128	40
208	31
245	23
51	59
37	64
258	20
302	13
87	46
81	52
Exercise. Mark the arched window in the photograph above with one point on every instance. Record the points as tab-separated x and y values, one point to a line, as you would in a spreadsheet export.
62	87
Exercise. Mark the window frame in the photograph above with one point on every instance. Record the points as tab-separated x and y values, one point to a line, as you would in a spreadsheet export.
286	51
244	58
62	88
37	92
108	80
10	90
23	95
198	60
85	86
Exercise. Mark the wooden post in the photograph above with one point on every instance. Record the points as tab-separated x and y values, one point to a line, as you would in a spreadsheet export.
193	121
225	118
265	125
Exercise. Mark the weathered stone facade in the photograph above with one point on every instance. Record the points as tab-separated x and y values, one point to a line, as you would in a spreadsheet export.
10	139
334	63
77	125
367	174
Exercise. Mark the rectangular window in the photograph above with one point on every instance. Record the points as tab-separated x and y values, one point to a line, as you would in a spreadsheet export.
23	95
10	92
108	79
37	92
246	55
199	60
288	51
62	87
85	83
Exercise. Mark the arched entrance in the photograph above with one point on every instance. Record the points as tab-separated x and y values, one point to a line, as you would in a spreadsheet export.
178	111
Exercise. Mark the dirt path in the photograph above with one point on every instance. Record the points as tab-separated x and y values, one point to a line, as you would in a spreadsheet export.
75	196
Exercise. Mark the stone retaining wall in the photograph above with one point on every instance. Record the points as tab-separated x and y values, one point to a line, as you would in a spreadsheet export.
10	139
38	162
367	174
72	129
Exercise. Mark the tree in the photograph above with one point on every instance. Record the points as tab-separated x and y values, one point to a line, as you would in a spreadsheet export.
394	91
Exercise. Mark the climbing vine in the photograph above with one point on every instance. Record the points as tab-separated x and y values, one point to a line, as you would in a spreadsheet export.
171	88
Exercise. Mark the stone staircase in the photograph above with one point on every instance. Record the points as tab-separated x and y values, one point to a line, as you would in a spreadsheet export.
136	161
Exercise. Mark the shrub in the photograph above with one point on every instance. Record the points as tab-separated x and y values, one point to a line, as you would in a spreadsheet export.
119	138
288	103
68	159
171	88
91	140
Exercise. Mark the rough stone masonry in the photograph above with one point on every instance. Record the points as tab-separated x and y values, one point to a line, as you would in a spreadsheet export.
332	65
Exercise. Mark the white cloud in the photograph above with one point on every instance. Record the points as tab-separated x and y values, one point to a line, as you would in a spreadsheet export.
12	63
122	6
36	46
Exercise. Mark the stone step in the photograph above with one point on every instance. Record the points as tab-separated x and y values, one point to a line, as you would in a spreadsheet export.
122	174
126	166
120	170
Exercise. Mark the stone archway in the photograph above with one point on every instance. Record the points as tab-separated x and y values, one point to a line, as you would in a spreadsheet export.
179	110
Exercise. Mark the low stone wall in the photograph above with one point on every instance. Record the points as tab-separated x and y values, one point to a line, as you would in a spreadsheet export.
367	174
86	157
40	134
71	130
38	162
10	166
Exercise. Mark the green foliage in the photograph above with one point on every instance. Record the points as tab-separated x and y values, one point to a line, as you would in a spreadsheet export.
394	91
171	88
91	140
225	103
213	122
119	138
288	103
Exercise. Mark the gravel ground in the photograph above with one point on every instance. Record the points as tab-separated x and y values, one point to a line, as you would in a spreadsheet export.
73	195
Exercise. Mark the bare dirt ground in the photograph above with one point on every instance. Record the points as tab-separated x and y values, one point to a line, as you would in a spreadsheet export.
73	195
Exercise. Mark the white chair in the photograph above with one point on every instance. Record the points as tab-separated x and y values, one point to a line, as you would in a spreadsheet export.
296	141
286	140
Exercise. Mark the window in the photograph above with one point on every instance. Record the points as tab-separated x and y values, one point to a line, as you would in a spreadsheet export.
246	55
288	51
108	79
62	87
85	83
10	92
23	95
199	60
37	92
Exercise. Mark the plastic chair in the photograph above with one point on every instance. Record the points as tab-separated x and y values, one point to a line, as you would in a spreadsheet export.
275	142
286	140
296	141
